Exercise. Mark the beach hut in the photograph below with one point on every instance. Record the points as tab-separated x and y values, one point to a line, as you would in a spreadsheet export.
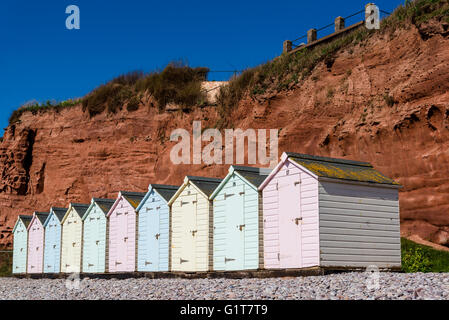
52	245
72	233
94	235
333	213
153	221
237	219
20	244
35	260
191	225
122	232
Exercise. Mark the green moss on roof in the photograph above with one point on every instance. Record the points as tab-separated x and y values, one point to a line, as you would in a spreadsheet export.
133	198
341	169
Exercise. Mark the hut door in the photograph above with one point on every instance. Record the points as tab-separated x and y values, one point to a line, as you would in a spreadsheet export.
188	254
290	221
69	245
153	236
95	244
122	241
235	222
40	249
49	256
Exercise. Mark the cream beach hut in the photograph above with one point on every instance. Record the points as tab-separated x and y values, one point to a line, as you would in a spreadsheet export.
191	225
72	233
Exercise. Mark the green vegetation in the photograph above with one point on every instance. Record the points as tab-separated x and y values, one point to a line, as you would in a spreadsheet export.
284	71
177	83
289	69
419	258
5	264
36	107
417	12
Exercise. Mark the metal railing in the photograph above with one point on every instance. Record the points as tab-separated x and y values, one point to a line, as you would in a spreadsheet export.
360	14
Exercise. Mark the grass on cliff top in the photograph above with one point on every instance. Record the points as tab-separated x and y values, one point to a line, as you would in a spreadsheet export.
36	107
177	83
289	69
420	258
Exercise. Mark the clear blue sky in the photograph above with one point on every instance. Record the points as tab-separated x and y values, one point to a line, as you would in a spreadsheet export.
40	59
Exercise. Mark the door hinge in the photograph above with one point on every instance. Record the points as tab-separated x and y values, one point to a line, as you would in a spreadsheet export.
182	260
228	260
147	262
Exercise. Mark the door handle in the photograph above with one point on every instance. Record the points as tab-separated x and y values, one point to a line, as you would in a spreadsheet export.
157	235
241	227
125	238
297	220
194	232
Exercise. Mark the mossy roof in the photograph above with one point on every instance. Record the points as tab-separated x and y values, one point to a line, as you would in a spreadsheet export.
341	169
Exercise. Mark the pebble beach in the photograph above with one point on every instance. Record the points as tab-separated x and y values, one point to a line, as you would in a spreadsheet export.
342	286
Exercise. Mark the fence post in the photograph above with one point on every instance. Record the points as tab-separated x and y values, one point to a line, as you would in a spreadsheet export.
339	24
287	46
311	35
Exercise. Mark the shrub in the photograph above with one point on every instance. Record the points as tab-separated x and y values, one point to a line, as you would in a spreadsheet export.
416	260
133	104
177	84
5	264
417	12
420	258
36	107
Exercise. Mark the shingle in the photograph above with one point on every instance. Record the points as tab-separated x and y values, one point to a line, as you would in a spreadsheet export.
133	198
341	169
26	219
104	204
206	185
166	191
80	208
42	216
59	212
255	176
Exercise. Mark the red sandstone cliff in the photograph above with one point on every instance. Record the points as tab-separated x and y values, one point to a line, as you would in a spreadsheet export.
342	110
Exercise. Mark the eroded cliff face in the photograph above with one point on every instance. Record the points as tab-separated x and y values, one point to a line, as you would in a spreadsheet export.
385	101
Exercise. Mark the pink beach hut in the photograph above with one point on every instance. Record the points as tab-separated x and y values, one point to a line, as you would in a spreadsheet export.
122	232
329	213
35	263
